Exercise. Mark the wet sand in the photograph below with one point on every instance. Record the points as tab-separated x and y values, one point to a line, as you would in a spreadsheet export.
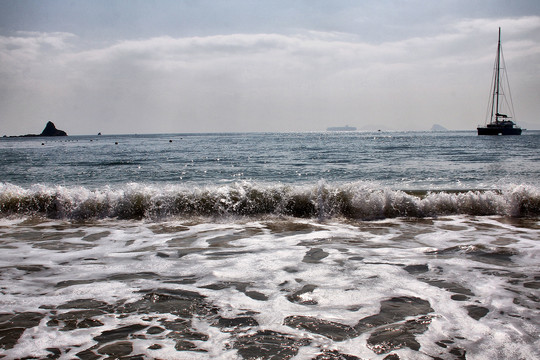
457	287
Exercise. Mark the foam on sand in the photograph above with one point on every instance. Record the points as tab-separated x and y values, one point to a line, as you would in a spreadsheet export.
435	287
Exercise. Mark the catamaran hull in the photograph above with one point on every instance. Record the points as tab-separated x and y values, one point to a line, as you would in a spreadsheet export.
498	131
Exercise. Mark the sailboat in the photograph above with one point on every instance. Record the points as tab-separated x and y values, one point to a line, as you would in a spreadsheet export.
499	123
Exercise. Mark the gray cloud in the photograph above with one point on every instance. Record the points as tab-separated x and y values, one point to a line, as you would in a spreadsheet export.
301	81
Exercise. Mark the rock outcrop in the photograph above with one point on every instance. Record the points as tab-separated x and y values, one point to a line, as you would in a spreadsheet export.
51	130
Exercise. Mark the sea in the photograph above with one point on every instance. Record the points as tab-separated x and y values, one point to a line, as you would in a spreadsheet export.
319	245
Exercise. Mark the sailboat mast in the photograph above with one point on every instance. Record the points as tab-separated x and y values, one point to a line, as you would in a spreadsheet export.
498	77
500	124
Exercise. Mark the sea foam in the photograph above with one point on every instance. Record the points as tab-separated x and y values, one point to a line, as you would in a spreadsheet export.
365	201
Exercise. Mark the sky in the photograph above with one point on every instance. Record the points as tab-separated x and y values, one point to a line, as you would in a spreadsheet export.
187	66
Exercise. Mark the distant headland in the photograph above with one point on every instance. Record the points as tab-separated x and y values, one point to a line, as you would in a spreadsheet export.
437	127
50	130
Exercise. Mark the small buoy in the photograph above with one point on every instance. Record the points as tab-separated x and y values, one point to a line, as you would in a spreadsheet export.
116	143
42	143
170	140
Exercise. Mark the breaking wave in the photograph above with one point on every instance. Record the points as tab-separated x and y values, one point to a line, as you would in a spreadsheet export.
321	200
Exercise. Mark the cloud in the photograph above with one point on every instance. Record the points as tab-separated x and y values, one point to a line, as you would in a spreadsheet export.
255	81
310	50
513	26
25	48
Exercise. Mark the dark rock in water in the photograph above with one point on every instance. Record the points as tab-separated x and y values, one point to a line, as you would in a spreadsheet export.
87	355
335	355
481	253
183	345
255	295
181	329
416	269
88	323
389	332
398	335
315	255
450	286
240	286
460	353
25	320
444	343
85	304
267	344
477	312
67	283
121	348
332	330
9	337
155	330
12	326
80	314
394	310
532	285
77	319
55	353
391	357
459	297
31	268
297	297
189	334
134	357
242	321
177	302
120	333
179	325
226	284
51	130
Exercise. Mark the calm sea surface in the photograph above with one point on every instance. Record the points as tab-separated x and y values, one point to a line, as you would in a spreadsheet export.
384	245
459	160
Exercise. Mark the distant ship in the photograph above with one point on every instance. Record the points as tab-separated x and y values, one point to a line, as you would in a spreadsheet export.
499	123
341	128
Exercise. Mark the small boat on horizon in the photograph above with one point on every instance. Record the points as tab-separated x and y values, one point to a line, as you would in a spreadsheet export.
499	123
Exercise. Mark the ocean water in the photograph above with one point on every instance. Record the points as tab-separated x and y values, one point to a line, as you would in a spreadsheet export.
384	245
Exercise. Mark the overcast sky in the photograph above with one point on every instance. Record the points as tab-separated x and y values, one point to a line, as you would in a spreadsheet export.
176	66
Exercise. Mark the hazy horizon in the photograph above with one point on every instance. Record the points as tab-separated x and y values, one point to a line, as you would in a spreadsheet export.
125	67
358	130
